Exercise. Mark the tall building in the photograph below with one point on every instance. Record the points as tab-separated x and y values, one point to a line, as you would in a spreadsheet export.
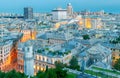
69	9
28	13
59	14
28	59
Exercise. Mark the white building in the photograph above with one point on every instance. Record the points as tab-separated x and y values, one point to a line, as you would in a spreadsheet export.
59	14
28	59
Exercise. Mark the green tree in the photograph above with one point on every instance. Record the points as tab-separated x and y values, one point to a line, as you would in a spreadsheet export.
74	63
86	37
59	70
2	74
40	74
59	65
12	74
61	73
117	65
51	73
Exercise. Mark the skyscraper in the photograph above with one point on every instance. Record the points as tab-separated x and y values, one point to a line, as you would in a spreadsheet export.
69	9
28	13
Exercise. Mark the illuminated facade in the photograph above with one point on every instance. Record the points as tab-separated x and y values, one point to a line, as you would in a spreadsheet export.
88	23
43	61
28	35
115	55
5	51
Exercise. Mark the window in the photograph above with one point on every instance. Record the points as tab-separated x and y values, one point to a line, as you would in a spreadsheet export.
43	59
47	60
39	58
28	49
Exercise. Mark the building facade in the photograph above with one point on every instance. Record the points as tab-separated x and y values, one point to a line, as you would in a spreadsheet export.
69	9
28	13
59	14
28	59
5	48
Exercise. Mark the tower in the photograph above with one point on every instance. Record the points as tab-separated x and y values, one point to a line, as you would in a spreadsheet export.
69	9
28	13
28	59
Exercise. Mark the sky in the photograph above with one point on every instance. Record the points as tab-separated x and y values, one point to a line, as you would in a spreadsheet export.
16	6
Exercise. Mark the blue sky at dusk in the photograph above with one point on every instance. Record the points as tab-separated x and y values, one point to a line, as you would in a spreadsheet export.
16	6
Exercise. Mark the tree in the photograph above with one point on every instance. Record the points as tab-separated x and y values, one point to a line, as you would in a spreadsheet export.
40	74
12	74
74	63
117	64
61	73
2	74
59	70
86	37
51	73
59	65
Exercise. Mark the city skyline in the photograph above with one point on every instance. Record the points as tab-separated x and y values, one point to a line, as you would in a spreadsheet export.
16	6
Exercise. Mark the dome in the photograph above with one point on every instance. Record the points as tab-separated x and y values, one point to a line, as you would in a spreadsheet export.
69	4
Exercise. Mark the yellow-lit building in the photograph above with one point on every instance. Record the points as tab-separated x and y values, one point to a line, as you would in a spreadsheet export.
57	25
115	55
28	35
88	23
42	61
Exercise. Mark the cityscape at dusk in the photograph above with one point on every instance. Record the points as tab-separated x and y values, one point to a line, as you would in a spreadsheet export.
59	39
16	6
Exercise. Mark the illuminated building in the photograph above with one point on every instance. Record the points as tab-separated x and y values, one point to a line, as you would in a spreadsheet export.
42	59
28	34
47	59
88	23
57	25
59	14
115	55
5	49
8	50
